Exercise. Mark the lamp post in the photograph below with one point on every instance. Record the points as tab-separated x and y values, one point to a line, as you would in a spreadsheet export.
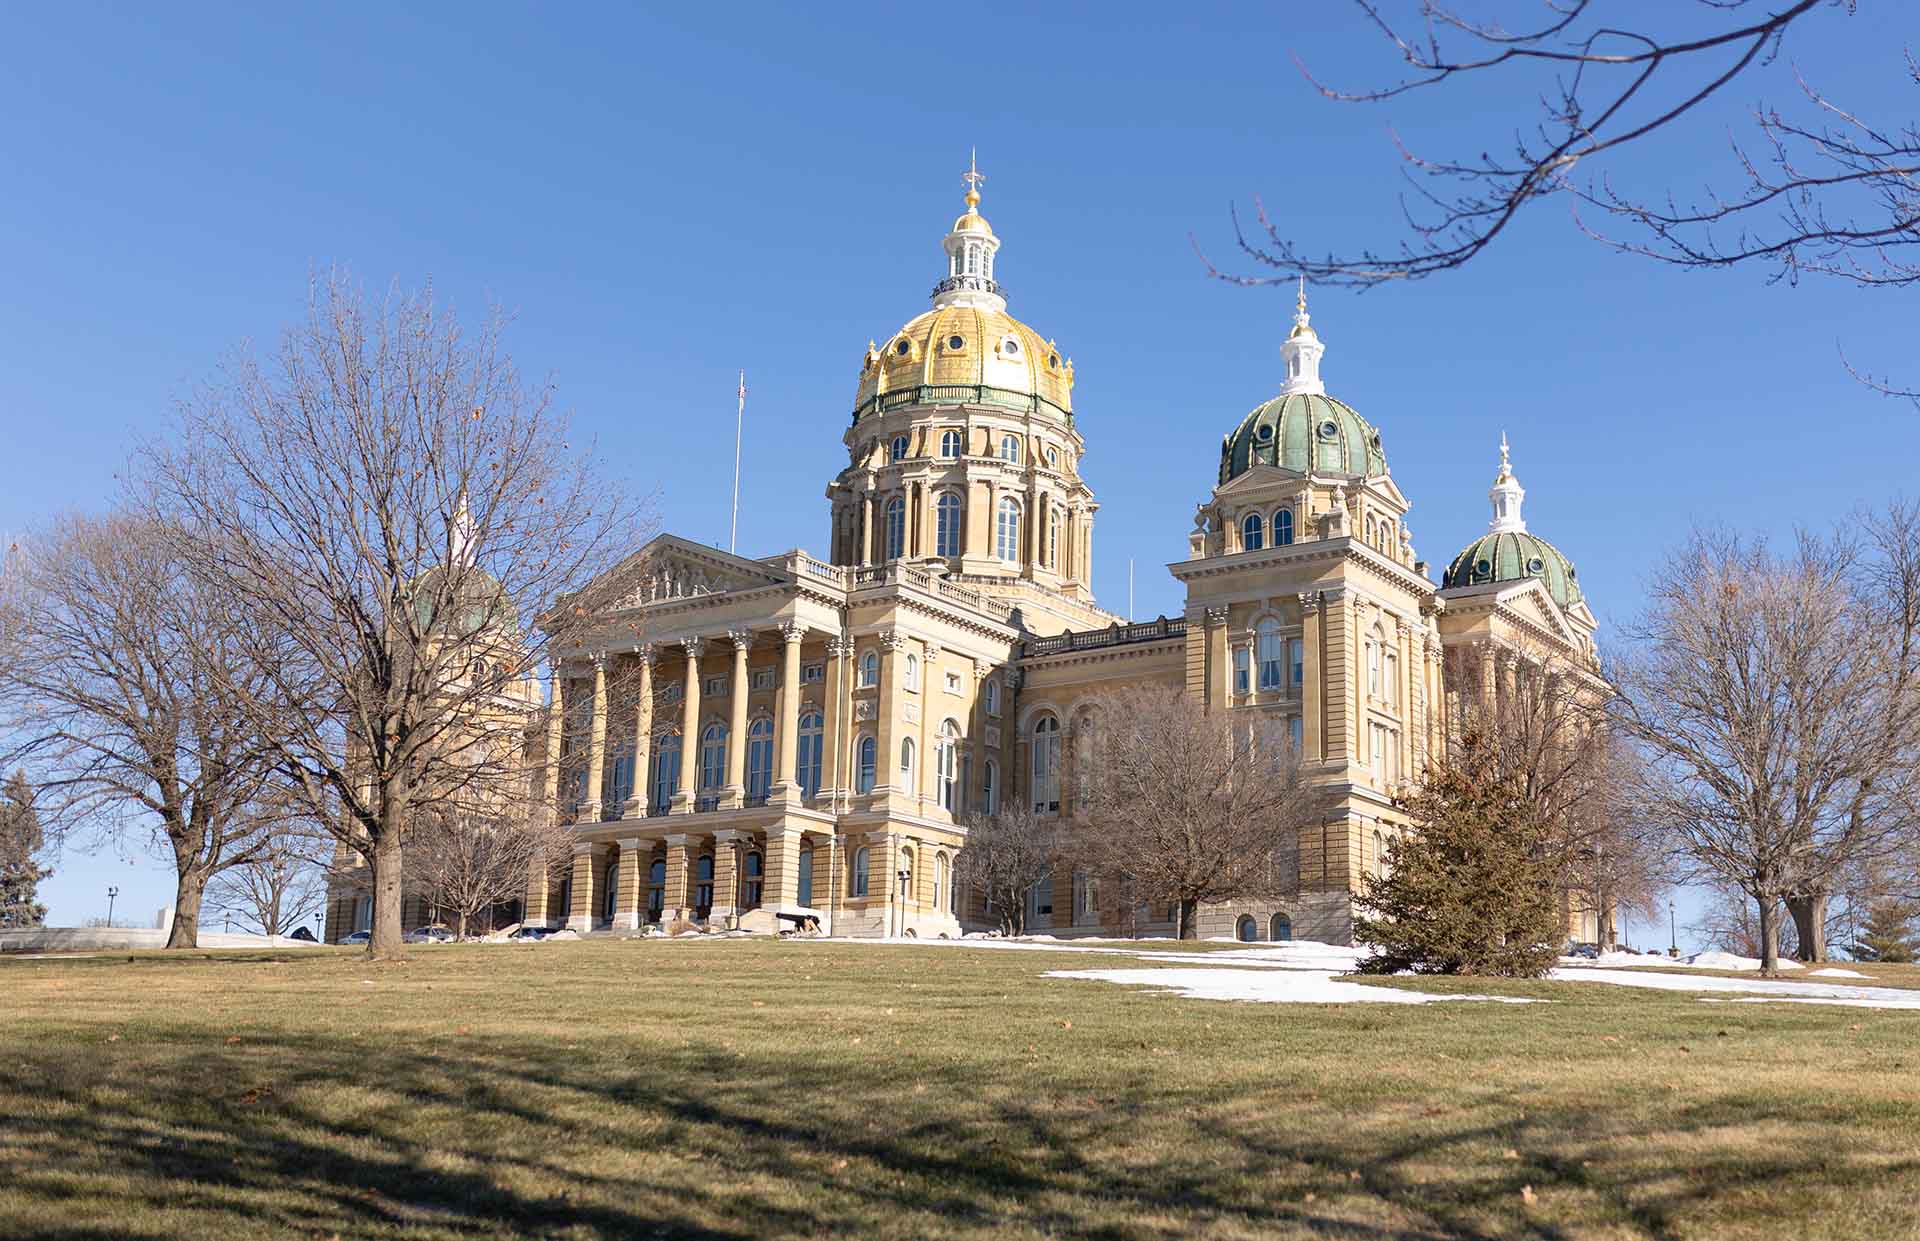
1673	932
906	877
113	894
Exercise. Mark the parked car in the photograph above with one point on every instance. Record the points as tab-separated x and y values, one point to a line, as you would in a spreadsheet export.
358	937
301	933
1589	952
429	935
531	932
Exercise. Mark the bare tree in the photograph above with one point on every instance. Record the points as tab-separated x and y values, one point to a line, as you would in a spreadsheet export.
399	510
1776	706
122	697
468	861
281	886
1006	854
1187	807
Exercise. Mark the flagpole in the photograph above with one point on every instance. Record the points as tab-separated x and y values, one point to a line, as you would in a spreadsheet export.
739	423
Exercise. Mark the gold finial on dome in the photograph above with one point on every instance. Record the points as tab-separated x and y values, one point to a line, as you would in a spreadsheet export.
974	178
1506	469
1301	320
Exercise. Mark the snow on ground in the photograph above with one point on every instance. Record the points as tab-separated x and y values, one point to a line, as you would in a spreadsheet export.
1750	990
1837	973
1268	986
1698	961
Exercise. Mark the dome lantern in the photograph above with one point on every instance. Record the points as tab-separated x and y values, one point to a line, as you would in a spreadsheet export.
970	248
1303	352
1507	493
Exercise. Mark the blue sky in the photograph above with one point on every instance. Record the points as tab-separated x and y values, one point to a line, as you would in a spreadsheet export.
662	198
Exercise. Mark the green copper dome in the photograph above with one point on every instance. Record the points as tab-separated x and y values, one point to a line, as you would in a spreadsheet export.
1513	556
1305	431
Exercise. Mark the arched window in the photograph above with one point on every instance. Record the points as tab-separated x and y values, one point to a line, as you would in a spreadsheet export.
756	879
992	693
912	679
1373	537
1390	677
905	877
896	528
1373	667
812	737
1053	536
1283	528
1247	931
1381	867
1010	448
611	897
1250	533
1282	929
713	756
857	881
939	881
946	525
945	761
863	781
906	763
990	789
621	786
898	451
950	443
1006	544
1270	652
1046	765
806	877
1086	898
953	894
703	884
870	670
656	890
759	758
666	771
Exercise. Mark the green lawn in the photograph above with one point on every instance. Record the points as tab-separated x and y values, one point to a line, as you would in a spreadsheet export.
761	1089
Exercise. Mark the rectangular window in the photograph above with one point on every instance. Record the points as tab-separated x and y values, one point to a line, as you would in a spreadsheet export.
763	678
953	682
811	674
1296	651
715	687
1242	681
1297	733
670	692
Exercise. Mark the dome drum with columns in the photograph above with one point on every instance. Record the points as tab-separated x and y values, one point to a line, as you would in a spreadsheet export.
805	736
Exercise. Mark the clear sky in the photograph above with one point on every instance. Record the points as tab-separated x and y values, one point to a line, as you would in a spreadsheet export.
664	198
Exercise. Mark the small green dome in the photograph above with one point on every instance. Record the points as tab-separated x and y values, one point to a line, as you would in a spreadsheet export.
1513	556
1305	431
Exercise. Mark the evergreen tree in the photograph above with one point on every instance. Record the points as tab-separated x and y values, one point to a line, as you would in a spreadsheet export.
1469	888
1888	934
20	839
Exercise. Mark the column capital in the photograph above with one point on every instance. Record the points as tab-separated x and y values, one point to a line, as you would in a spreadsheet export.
695	647
645	652
678	840
1216	616
893	640
792	631
840	646
598	659
732	836
934	650
742	639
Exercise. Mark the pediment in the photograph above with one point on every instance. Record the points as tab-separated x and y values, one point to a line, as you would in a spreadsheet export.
670	567
1258	479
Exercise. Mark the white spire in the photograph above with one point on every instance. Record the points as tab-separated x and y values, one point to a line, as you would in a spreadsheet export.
1303	352
970	247
460	533
1506	495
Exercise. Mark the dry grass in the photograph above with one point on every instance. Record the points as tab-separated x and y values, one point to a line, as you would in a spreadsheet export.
759	1089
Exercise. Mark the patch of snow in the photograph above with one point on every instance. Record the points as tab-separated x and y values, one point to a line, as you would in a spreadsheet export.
1267	986
1761	988
1698	961
1837	973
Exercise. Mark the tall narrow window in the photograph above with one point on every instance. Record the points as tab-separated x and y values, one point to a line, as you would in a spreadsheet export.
896	528
656	890
1296	653
946	763
806	877
666	771
898	449
622	783
1046	765
811	739
713	756
703	885
1010	448
906	763
993	697
1250	533
756	879
1270	651
946	537
990	788
1007	531
1373	669
939	880
1283	528
1242	678
913	672
859	868
1297	733
870	670
1053	537
1390	690
869	754
950	443
759	759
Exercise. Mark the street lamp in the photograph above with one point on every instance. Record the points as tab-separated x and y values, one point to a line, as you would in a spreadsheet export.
906	877
112	895
1673	932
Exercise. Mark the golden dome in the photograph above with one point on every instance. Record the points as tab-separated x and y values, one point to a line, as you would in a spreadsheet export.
972	221
967	346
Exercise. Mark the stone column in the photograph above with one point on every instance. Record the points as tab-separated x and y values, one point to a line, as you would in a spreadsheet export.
734	793
786	775
533	910
683	793
927	778
597	742
678	897
580	916
556	735
636	805
886	777
837	724
727	848
783	867
1313	706
1218	671
1341	668
632	884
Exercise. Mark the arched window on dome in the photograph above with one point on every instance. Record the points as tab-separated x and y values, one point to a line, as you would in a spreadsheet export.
1250	533
950	443
946	536
1006	544
1010	448
1283	527
896	528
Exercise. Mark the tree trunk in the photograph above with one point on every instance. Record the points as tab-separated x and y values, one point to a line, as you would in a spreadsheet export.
185	932
384	942
1769	937
1189	919
1810	924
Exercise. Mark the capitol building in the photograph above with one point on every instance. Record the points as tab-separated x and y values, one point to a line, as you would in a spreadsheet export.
762	741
